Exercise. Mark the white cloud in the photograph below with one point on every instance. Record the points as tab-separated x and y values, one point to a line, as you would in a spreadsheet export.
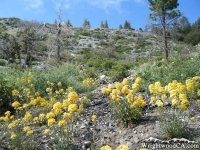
33	4
106	5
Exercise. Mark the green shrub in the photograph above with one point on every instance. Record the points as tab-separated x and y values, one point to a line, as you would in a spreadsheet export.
6	97
2	63
176	68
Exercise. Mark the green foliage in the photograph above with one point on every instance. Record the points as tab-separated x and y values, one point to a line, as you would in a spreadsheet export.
193	37
67	74
126	115
127	25
120	70
164	12
85	33
6	97
120	27
2	63
176	68
86	23
171	124
122	49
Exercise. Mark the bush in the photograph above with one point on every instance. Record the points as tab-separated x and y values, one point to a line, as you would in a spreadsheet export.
174	119
125	104
175	68
6	97
2	63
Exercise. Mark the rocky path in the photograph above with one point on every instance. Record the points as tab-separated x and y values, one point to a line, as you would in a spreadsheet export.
106	131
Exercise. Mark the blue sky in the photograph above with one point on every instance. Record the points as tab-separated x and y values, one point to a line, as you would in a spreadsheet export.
114	11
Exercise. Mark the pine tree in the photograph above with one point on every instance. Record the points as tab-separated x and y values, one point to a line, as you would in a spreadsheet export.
106	24
86	23
120	27
164	12
101	24
68	23
127	25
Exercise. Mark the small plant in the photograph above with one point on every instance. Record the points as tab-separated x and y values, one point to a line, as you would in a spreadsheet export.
2	63
120	147
125	104
174	119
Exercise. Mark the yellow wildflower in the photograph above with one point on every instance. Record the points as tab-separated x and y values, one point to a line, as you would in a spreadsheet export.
72	108
106	147
37	94
138	80
15	92
94	117
62	123
35	120
183	106
48	82
125	90
135	86
59	84
122	147
41	117
159	103
110	86
66	115
192	119
26	128
51	121
50	115
70	89
23	80
73	96
7	113
153	99
29	132
16	104
117	100
46	131
125	82
13	135
81	71
118	85
48	90
105	91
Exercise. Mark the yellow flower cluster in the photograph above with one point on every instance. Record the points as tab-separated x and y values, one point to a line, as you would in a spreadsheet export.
94	118
88	82
15	92
125	102
7	116
175	91
122	91
13	135
28	130
56	109
120	147
106	147
13	123
16	104
62	122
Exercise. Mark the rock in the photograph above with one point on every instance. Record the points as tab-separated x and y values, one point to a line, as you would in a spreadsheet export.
87	144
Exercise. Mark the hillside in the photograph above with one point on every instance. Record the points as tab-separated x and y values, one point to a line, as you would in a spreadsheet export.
110	87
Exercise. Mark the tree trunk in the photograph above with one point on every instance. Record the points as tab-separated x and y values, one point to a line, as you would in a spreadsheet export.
58	43
165	38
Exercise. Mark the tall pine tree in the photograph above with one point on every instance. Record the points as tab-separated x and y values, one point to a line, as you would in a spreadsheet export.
164	12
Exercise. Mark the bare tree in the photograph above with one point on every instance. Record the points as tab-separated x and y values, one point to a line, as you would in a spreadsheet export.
58	30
